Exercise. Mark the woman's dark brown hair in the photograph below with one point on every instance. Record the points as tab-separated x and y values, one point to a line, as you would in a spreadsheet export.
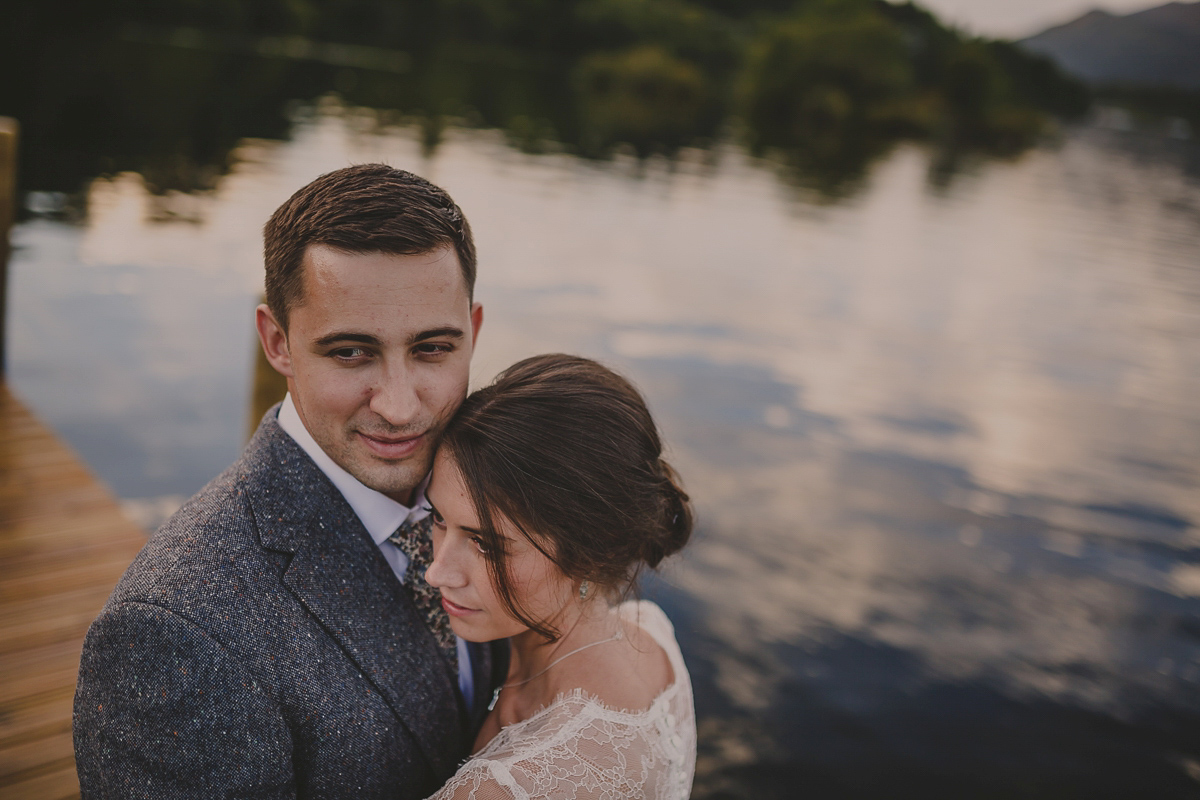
566	450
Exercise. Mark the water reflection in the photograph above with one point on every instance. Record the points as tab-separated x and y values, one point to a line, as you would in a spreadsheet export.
944	441
825	88
128	333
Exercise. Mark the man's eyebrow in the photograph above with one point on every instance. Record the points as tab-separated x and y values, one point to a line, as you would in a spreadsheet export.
346	336
447	332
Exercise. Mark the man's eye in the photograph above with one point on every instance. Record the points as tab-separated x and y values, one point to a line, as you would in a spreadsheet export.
348	353
433	349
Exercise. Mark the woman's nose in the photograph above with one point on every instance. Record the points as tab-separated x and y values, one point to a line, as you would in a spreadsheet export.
444	572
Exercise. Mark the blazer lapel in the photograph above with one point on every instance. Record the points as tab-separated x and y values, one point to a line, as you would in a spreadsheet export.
340	576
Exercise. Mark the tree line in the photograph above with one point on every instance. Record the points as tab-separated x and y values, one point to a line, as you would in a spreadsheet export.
167	88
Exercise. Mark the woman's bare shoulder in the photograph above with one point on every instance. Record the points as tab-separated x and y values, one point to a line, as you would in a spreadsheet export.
628	674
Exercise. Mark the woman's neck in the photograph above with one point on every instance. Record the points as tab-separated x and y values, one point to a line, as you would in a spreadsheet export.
531	653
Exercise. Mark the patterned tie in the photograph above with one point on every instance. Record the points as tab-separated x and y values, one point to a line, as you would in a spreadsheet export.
415	540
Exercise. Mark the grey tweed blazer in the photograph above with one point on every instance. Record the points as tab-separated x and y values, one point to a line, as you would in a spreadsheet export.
261	647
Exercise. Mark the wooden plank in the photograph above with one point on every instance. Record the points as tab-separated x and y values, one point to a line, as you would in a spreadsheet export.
39	669
68	597
40	620
98	534
64	543
41	577
36	716
58	783
75	526
36	755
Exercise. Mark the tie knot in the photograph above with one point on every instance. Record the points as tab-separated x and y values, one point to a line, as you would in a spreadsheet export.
413	538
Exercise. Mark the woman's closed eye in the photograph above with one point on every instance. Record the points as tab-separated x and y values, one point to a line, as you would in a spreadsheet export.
477	539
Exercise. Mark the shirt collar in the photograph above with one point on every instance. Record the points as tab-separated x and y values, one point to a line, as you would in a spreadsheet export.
379	514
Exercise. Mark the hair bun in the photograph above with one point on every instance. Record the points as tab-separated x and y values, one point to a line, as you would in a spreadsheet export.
676	520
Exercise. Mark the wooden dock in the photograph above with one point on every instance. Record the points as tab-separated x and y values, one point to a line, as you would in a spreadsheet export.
63	544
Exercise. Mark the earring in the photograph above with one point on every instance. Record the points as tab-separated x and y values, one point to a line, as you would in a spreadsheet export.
583	590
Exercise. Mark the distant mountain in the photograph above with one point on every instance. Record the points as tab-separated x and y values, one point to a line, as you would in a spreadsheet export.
1156	47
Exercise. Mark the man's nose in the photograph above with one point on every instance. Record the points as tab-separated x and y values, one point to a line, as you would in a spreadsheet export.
396	398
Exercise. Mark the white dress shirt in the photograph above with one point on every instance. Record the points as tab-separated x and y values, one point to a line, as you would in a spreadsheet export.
379	514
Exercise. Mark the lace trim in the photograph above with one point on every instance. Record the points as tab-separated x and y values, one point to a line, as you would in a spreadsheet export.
580	747
605	711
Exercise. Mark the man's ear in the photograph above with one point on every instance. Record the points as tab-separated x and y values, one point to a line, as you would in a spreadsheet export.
274	341
476	322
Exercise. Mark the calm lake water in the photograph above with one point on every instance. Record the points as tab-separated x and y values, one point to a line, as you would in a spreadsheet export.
943	434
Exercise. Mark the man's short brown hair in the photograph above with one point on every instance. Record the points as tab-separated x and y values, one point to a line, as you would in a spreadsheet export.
368	208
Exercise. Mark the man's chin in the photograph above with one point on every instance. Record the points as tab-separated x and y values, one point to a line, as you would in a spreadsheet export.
397	481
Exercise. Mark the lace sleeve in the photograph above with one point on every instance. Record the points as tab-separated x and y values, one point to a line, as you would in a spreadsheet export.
581	749
584	751
475	780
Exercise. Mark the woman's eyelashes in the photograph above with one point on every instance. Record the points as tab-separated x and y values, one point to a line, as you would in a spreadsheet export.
439	521
437	518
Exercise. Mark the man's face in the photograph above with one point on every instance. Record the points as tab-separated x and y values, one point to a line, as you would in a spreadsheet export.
376	357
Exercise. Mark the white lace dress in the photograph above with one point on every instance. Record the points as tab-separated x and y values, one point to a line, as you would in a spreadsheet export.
577	747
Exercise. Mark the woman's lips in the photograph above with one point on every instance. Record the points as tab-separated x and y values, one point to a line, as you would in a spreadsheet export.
390	448
455	610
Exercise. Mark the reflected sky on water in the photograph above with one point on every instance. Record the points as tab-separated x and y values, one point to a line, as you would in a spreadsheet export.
944	438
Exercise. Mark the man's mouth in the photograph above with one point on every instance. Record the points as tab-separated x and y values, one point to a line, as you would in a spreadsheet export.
392	447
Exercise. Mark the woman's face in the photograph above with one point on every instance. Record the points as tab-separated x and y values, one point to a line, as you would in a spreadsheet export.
460	565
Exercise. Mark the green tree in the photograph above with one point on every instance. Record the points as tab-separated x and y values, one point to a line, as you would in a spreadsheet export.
643	96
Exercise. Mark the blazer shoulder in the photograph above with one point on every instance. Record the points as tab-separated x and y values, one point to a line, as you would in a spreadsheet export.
230	542
163	706
211	532
191	554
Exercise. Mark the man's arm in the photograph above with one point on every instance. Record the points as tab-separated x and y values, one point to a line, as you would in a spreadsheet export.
162	711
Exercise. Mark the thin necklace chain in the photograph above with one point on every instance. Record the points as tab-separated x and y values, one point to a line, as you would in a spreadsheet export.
496	694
